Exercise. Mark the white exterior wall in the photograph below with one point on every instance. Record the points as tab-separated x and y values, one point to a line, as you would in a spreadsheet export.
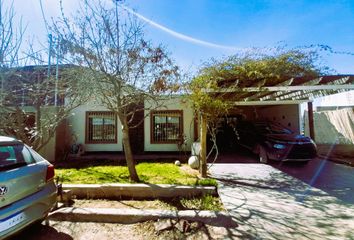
77	125
287	115
177	103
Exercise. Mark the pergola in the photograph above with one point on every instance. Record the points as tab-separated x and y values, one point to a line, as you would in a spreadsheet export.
291	91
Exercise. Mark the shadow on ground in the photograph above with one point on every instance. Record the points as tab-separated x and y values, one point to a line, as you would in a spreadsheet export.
41	232
269	204
335	179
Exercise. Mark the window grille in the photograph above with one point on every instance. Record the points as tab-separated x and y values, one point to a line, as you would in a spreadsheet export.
101	127
166	126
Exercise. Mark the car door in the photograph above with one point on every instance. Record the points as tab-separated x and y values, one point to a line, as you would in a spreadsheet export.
20	174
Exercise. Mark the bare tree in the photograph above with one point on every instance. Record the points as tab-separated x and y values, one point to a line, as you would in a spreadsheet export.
11	37
126	69
28	110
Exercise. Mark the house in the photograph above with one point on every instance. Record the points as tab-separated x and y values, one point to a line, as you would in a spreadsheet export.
173	126
30	98
162	130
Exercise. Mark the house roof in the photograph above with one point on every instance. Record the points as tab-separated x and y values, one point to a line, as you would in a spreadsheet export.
294	90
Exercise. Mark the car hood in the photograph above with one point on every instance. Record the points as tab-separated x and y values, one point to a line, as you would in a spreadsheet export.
293	138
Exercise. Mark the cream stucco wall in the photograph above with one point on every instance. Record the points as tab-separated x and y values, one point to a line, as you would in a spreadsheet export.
287	115
48	151
176	103
77	125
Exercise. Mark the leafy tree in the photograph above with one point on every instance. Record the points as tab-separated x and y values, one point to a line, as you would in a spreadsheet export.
125	68
251	69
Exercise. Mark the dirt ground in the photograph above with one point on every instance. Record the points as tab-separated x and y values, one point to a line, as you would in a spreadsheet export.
108	231
146	230
153	204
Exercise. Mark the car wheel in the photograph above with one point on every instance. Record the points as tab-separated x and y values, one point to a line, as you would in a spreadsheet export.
263	158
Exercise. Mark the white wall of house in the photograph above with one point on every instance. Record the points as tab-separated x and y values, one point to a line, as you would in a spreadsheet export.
287	115
77	126
176	103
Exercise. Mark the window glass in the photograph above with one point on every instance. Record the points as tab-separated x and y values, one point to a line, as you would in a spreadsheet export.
27	156
35	156
13	156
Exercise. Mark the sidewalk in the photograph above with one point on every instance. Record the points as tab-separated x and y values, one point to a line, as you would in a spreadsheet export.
269	204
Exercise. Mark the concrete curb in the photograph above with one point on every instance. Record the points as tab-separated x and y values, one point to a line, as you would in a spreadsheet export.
129	216
136	191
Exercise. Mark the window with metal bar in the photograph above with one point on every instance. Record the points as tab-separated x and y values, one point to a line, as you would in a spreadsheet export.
166	126
101	127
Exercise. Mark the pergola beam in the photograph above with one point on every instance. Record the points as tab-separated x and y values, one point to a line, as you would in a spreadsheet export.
259	103
284	88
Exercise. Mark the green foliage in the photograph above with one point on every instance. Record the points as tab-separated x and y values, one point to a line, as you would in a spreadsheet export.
206	202
253	69
203	101
154	173
207	182
259	69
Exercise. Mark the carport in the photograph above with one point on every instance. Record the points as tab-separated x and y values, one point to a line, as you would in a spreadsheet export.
291	92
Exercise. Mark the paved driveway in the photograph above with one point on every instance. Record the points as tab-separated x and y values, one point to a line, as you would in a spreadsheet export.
270	204
335	179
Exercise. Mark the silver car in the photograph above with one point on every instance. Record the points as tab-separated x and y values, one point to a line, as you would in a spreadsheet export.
27	189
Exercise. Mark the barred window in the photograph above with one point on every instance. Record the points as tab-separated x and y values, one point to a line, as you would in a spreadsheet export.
101	127
166	126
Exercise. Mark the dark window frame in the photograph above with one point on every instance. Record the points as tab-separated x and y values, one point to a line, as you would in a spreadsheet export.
166	114
88	137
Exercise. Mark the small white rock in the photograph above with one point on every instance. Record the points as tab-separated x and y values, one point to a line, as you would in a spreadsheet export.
193	162
177	163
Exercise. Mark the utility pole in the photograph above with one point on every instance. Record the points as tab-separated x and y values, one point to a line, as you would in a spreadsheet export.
57	74
50	40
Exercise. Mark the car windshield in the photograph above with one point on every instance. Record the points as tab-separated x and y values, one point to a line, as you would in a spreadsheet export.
272	128
11	157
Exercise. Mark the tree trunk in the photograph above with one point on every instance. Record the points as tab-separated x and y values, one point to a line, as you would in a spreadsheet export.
203	138
127	150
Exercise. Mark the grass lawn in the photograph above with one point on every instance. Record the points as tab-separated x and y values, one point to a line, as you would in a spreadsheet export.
154	173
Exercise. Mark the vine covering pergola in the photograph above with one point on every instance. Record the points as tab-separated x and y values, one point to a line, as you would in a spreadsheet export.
291	91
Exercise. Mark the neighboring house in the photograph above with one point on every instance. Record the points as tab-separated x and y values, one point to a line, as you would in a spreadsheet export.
27	91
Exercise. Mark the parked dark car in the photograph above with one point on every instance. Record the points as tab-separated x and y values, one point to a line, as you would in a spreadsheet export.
27	188
270	140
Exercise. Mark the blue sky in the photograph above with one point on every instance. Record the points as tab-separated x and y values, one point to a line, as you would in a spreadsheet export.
235	23
246	24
